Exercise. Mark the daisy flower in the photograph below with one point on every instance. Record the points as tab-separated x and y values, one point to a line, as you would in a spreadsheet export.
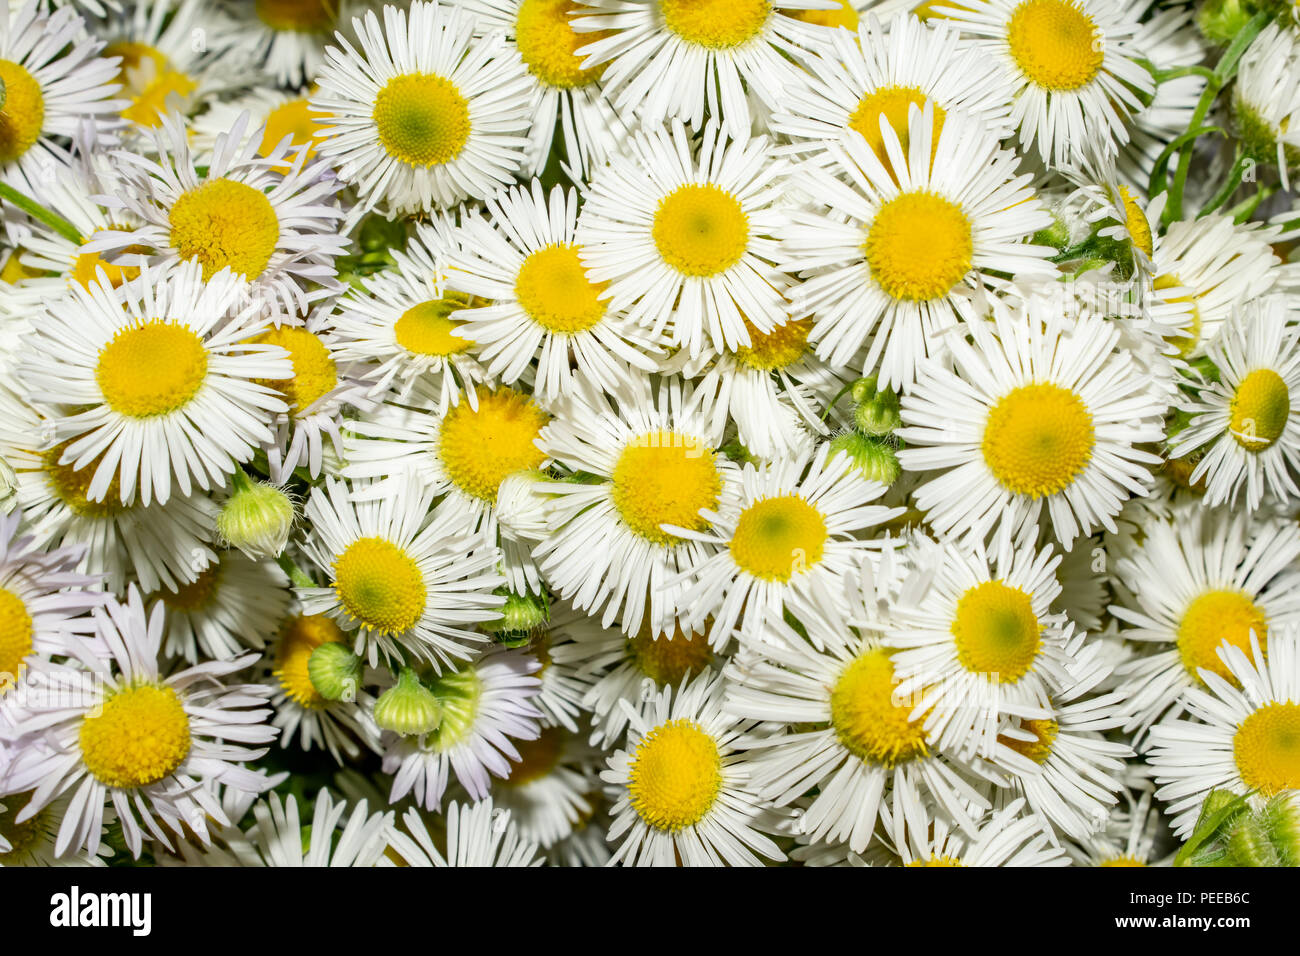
1040	412
487	705
166	380
781	542
1267	100
1127	840
1011	837
1201	578
54	82
274	114
33	842
1247	423
681	234
569	95
477	834
673	59
1243	735
684	791
276	229
652	462
153	747
524	259
1072	65
901	250
286	39
408	576
426	115
548	790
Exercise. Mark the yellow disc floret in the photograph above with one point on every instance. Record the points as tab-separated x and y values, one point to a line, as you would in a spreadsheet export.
298	16
422	119
846	15
537	757
151	368
665	477
380	585
675	775
779	537
1259	409
919	246
198	594
894	103
23	114
314	371
426	328
1055	43
700	229
1037	439
867	718
480	448
1135	220
1267	748
667	660
296	120
1045	732
140	735
15	638
70	486
554	290
301	635
716	24
1213	619
547	43
996	632
224	223
778	349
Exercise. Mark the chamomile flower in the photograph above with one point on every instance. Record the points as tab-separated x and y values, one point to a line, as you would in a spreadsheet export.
478	834
425	115
1243	734
569	95
980	646
1039	414
652	461
684	791
525	261
33	842
409	577
165	377
899	251
234	604
123	734
781	543
274	228
681	233
274	114
673	59
1246	424
548	790
1011	837
1075	73
1267	100
1199	579
54	82
485	706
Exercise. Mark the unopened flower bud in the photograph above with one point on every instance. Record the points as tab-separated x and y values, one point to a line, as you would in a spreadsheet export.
408	707
334	671
256	518
876	410
875	459
521	616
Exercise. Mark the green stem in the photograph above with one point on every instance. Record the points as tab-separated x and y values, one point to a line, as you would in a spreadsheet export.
1164	76
297	577
34	209
1229	187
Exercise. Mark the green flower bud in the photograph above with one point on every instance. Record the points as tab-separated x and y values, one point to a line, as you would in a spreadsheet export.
1281	821
876	410
334	671
1057	235
408	707
256	518
521	616
1247	844
875	459
1221	20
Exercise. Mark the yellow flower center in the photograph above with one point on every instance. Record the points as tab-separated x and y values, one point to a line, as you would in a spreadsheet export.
1122	861
716	24
777	538
919	246
380	585
1267	748
151	368
154	92
1260	408
15	270
1191	337
83	268
1214	619
675	776
294	119
547	43
1040	748
846	16
70	485
996	632
196	595
665	477
894	103
700	229
1037	439
868	721
778	349
20	836
554	290
140	736
666	660
299	16
224	223
481	448
299	637
422	119
537	757
1135	220
314	372
15	638
23	113
426	329
938	861
1055	43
